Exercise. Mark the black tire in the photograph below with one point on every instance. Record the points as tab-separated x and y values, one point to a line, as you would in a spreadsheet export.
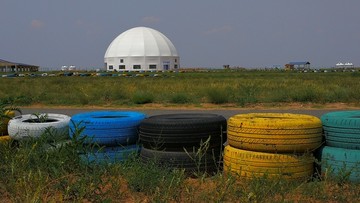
191	162
176	132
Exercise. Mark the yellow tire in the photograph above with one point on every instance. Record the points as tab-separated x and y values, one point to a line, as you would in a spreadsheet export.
275	132
4	122
277	121
250	164
5	138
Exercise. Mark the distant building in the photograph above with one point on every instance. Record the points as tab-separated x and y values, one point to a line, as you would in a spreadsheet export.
276	66
7	66
297	65
344	65
68	68
141	49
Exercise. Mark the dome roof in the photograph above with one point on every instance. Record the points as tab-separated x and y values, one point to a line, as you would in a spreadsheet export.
141	41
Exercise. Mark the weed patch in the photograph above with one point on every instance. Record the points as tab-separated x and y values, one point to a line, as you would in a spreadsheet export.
142	97
180	98
217	95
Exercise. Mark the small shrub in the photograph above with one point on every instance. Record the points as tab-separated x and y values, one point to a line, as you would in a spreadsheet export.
84	100
217	96
180	98
305	95
142	97
247	93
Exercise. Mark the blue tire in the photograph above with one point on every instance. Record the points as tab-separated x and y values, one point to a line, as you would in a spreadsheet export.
110	128
106	155
339	163
342	129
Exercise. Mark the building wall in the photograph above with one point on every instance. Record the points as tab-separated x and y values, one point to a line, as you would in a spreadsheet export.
15	68
141	63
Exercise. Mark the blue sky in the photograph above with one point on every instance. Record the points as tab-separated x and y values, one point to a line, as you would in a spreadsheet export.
206	33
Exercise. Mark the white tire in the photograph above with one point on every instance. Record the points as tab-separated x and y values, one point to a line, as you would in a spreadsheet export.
25	126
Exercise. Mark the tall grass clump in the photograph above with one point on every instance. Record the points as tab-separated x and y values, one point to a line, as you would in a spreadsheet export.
142	97
217	95
305	95
180	98
247	93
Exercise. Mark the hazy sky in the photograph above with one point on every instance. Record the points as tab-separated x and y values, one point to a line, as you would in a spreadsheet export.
206	33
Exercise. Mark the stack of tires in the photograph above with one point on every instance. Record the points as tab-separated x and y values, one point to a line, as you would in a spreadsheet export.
192	142
110	136
340	158
54	126
272	145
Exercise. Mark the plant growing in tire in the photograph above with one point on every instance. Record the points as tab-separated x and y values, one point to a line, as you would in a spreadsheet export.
44	118
40	118
54	126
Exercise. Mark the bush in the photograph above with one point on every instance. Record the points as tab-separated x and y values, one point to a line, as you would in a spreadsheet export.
217	96
306	94
247	93
180	98
142	97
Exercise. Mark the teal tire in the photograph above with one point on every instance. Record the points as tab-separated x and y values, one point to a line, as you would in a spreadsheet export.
342	129
340	164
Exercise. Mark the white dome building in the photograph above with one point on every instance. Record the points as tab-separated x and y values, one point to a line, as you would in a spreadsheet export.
141	49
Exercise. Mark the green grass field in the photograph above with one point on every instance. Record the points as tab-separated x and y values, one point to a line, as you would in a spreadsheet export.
239	88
